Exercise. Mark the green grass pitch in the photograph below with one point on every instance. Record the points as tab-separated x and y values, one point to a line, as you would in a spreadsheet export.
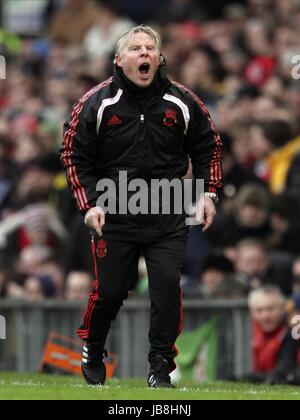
15	386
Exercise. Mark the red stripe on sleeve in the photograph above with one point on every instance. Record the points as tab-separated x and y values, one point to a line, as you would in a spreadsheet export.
215	165
72	175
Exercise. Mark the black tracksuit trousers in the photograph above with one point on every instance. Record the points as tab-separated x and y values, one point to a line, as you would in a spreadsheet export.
116	271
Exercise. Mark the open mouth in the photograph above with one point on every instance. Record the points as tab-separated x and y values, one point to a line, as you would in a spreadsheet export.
144	68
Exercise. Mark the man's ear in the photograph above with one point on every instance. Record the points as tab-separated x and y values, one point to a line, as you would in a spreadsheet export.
118	61
162	61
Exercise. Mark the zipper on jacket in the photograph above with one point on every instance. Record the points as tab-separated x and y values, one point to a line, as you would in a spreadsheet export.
141	130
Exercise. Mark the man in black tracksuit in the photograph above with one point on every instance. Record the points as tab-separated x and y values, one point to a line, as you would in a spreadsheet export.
140	122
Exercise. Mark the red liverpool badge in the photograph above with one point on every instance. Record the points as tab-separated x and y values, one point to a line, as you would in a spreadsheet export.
170	118
102	249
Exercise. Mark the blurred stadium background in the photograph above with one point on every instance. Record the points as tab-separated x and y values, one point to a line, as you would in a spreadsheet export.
238	57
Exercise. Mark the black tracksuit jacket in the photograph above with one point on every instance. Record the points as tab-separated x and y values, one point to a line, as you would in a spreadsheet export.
150	133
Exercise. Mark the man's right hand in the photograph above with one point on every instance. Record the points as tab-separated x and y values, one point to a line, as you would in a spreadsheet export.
95	219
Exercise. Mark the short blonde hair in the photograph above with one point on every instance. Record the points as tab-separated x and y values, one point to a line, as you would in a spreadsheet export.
139	29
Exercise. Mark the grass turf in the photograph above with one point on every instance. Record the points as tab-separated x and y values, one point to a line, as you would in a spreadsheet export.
15	386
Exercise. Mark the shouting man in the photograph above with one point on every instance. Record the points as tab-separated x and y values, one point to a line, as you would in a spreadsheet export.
140	123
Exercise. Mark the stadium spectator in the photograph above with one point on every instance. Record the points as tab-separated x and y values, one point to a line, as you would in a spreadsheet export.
217	281
275	352
25	18
79	14
285	225
248	217
78	286
32	257
296	275
259	43
255	267
293	179
54	271
38	289
235	177
15	291
109	26
281	159
266	138
35	226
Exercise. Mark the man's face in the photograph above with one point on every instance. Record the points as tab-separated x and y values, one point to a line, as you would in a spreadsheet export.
139	59
33	290
212	280
78	287
252	261
296	268
252	217
268	312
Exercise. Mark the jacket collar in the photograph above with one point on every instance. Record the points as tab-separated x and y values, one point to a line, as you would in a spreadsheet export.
160	84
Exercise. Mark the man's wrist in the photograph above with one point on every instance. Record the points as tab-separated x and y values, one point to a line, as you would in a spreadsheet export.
213	196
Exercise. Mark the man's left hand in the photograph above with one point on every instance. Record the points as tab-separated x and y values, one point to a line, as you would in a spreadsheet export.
206	212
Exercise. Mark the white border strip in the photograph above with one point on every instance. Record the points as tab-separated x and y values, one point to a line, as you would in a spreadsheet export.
106	103
183	107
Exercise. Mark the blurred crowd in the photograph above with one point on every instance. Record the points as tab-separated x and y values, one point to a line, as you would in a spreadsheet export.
239	59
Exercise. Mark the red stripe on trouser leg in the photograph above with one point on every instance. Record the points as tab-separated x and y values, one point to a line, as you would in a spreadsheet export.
95	296
84	334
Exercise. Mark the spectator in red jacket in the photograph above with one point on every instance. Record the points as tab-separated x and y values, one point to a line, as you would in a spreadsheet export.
274	349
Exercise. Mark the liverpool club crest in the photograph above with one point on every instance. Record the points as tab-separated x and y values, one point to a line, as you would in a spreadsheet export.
101	249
